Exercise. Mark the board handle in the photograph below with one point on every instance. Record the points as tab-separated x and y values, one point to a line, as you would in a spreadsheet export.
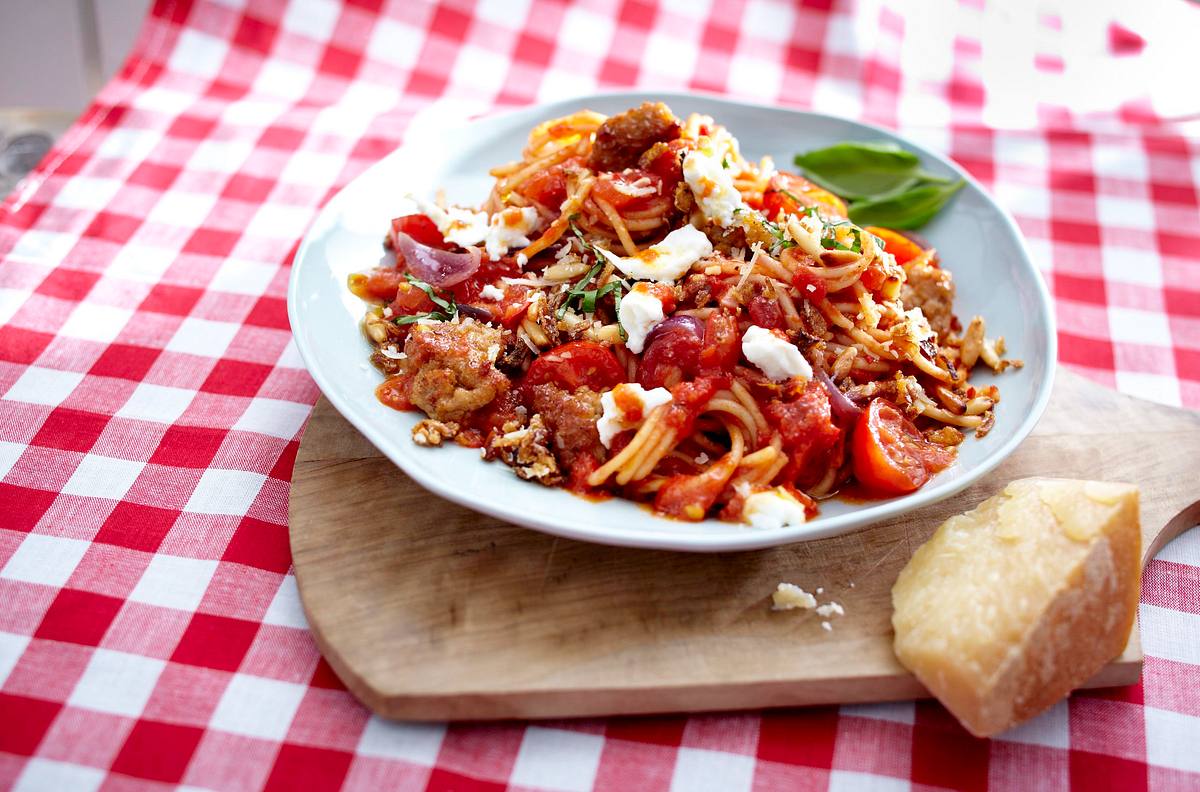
1181	523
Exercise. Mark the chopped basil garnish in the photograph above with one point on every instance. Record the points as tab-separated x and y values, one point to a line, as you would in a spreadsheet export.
448	308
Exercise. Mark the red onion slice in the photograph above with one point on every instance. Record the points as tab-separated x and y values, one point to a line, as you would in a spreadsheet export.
844	410
439	268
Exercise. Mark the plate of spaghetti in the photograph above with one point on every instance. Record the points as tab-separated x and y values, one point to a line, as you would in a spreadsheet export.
629	319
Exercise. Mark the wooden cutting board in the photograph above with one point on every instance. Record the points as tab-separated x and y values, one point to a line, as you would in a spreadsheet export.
427	610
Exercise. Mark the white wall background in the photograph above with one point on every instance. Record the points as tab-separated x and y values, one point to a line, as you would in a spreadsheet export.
55	54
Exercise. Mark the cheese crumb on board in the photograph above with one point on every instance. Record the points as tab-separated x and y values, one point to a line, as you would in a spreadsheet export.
830	609
1009	607
788	596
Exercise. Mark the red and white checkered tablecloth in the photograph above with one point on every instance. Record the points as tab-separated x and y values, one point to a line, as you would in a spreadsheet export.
152	401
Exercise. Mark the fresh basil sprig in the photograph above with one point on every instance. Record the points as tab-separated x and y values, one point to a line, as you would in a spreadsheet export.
884	184
446	305
912	208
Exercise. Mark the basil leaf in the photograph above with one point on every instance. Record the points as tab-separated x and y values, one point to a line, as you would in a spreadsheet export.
856	170
909	209
437	300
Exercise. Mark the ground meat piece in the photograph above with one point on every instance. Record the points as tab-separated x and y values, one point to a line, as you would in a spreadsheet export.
527	451
452	368
932	290
572	418
621	139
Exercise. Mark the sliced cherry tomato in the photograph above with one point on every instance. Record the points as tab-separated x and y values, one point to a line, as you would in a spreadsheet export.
489	272
575	364
900	246
720	352
672	352
883	278
393	392
890	455
666	162
549	187
613	187
690	497
765	312
811	287
378	284
420	228
791	194
409	299
810	438
688	400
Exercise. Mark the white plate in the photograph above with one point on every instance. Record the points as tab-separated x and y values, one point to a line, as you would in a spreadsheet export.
977	240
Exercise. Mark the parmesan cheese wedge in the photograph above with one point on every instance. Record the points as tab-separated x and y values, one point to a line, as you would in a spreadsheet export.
1010	606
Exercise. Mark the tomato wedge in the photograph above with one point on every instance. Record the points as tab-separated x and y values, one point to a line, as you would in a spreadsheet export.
790	194
890	455
575	364
420	228
903	248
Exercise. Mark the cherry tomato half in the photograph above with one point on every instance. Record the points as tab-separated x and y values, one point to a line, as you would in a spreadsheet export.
789	193
574	364
890	455
900	246
721	343
612	187
421	229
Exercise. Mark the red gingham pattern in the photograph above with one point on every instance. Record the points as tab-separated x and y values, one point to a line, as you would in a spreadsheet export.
151	400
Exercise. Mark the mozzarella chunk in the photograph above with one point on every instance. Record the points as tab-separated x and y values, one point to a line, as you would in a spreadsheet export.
712	185
774	355
668	260
640	313
625	407
462	227
491	292
773	508
509	228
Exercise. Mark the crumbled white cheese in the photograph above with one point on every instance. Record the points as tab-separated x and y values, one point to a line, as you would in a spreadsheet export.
387	312
635	189
391	352
918	325
712	185
614	420
490	292
493	352
831	609
772	509
789	596
508	229
774	355
640	313
462	227
666	261
826	626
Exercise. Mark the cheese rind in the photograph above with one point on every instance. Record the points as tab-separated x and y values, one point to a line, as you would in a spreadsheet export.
1009	607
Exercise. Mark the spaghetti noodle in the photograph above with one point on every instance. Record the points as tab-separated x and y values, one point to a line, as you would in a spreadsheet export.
639	310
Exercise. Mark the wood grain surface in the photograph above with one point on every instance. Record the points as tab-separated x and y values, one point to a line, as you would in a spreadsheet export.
427	610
